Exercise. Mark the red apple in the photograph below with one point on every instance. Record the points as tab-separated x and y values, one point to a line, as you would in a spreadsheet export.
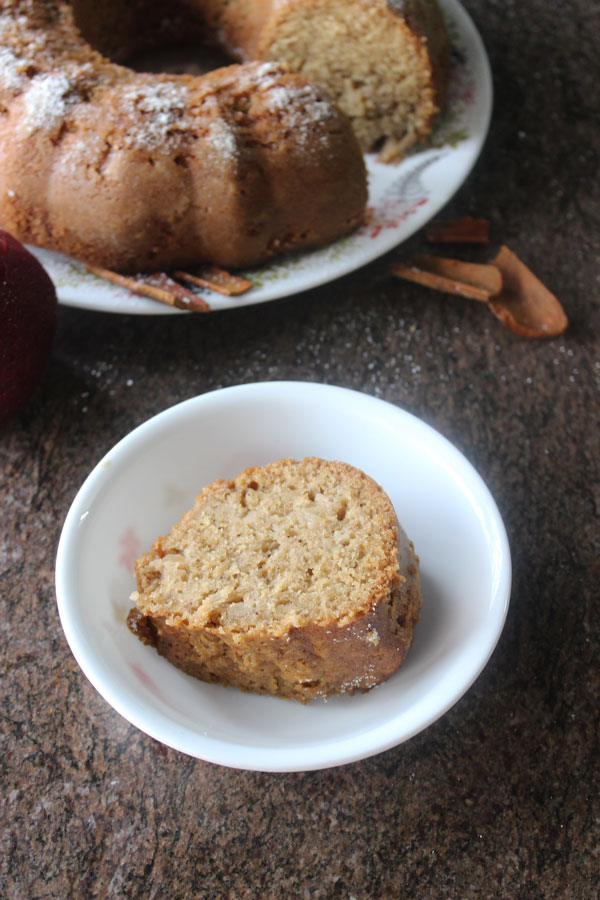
27	319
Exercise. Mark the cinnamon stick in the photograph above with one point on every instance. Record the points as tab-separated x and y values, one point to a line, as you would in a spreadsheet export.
466	230
217	280
157	286
484	276
459	278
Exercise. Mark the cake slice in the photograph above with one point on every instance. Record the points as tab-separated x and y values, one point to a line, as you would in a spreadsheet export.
293	579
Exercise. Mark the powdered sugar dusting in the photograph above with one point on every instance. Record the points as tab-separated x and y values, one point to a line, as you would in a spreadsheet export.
47	102
305	110
280	97
267	74
301	104
222	138
162	110
32	43
313	107
11	77
220	134
27	67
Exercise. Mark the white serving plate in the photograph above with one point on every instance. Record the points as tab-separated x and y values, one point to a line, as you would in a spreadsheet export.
402	199
149	478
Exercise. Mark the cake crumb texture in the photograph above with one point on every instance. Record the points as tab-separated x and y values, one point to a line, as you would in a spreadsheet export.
292	579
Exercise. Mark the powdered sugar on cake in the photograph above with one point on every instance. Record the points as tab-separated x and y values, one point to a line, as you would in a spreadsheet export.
11	78
47	102
222	139
32	46
301	103
162	106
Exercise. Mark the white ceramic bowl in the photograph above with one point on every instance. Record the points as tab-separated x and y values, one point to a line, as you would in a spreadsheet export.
150	477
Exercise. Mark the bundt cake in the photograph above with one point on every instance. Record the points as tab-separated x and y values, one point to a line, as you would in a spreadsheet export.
142	172
293	579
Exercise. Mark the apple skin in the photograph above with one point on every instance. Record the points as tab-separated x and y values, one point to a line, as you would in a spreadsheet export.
27	321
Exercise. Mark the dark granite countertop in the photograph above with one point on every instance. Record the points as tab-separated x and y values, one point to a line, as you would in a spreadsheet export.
498	798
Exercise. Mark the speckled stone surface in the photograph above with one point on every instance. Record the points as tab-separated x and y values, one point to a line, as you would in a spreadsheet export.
497	799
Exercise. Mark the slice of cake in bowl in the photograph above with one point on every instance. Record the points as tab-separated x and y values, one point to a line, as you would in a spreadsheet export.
293	579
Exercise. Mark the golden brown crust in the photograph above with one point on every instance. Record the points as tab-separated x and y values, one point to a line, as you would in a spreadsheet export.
305	663
307	647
